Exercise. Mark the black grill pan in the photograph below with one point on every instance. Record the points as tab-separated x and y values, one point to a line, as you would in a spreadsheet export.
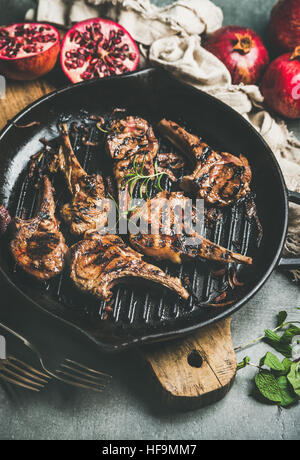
140	313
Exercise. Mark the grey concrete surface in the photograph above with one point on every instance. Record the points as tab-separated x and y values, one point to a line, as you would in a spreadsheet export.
128	408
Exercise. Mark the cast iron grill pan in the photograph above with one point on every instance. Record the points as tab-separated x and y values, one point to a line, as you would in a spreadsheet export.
140	313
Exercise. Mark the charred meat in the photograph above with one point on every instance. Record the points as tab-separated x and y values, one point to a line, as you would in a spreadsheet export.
89	208
131	143
39	246
5	219
130	136
218	177
171	164
168	238
100	262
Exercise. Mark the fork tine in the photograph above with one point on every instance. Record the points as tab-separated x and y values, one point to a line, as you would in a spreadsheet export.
42	374
93	371
20	384
85	374
19	377
7	363
79	385
91	383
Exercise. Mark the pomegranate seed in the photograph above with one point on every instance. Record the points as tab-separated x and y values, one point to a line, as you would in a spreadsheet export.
73	35
68	63
86	75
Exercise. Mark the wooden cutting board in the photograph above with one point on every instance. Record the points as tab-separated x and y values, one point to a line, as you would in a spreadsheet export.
189	373
194	371
21	94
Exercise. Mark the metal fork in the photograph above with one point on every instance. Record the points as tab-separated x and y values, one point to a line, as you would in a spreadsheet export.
15	371
69	371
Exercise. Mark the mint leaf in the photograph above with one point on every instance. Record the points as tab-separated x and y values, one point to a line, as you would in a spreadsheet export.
281	317
272	362
268	386
287	365
294	378
287	395
290	333
244	363
271	335
274	340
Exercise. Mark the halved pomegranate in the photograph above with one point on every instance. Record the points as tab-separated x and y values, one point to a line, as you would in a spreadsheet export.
28	50
98	48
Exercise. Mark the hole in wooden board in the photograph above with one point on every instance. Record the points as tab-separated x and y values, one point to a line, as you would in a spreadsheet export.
194	359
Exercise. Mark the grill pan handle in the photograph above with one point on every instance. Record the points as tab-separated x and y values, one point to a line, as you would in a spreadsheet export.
289	263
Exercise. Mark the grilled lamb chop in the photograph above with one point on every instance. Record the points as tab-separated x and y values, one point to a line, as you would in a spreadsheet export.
170	163
168	239
218	177
130	136
39	247
100	262
89	208
131	143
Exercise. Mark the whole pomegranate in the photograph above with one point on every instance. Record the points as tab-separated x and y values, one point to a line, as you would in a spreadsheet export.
242	51
98	48
281	85
284	27
28	51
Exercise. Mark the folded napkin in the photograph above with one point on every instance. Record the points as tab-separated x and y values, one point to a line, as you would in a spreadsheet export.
171	37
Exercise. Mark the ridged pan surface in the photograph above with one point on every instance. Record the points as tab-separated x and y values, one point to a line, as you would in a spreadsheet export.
142	313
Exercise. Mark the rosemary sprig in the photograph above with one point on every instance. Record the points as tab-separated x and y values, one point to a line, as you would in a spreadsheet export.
123	214
136	174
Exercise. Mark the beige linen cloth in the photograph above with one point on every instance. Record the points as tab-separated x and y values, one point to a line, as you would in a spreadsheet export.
170	37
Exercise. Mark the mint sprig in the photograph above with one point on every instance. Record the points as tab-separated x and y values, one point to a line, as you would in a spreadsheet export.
278	343
277	381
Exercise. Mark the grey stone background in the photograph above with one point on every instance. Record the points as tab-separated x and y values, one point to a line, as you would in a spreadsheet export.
128	409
